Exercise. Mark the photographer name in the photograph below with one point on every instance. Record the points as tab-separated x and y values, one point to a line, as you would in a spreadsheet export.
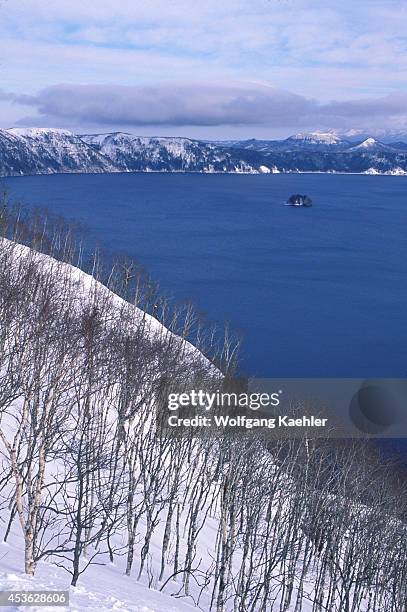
245	422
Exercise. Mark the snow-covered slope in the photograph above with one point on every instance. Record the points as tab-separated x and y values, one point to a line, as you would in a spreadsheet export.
212	523
101	590
134	153
106	587
84	288
46	151
371	144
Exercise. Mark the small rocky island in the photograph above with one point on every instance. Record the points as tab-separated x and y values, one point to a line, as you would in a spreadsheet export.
299	200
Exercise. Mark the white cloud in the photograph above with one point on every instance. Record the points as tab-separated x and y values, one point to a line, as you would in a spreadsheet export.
204	104
248	38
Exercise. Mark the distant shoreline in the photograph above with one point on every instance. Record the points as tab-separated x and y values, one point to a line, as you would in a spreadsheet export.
284	172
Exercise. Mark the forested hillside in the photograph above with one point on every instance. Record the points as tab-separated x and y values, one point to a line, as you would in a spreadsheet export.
92	486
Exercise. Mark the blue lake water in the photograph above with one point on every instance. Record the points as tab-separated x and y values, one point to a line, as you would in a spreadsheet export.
315	292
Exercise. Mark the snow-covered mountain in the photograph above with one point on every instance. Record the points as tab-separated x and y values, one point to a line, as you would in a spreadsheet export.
47	151
325	152
317	138
371	144
133	153
314	141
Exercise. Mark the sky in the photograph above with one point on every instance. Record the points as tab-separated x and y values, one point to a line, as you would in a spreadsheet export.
208	69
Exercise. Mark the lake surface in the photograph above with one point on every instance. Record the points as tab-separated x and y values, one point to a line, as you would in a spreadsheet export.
315	292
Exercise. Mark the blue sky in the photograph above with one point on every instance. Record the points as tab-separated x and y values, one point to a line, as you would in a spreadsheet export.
236	68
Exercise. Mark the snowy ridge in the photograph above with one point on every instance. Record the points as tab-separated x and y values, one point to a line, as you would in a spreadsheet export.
40	132
369	142
83	286
135	153
326	152
327	138
372	144
46	151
